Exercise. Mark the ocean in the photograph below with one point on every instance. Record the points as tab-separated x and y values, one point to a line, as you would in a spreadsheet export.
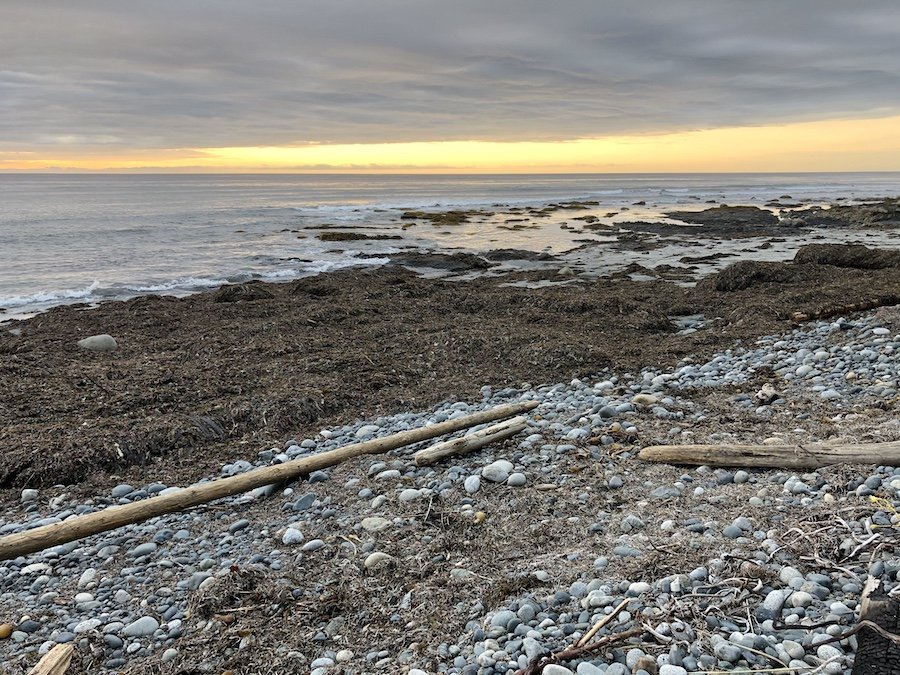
87	238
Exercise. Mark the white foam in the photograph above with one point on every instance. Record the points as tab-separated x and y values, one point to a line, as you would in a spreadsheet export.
49	296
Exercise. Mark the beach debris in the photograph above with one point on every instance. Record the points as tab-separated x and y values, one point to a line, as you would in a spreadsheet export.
812	456
470	442
878	646
40	538
98	343
767	394
54	662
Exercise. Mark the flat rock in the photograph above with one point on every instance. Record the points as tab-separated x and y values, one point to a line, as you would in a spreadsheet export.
375	524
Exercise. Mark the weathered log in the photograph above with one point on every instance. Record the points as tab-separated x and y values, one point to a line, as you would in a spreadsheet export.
54	662
876	654
470	442
797	456
39	538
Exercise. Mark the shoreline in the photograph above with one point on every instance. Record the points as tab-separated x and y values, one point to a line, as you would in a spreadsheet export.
584	236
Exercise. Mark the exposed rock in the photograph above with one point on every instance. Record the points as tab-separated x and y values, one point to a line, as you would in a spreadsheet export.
237	292
855	256
747	273
354	236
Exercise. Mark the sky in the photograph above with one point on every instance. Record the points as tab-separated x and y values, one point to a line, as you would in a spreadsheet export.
461	86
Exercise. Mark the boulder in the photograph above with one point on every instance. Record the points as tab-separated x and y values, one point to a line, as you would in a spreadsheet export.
238	292
855	256
99	343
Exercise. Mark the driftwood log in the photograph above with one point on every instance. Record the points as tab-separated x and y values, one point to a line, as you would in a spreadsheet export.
470	442
39	538
54	662
875	653
810	456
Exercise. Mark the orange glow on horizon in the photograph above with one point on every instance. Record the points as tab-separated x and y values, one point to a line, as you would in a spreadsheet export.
831	145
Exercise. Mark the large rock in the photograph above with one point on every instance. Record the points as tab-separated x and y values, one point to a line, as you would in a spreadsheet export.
99	343
240	292
855	256
747	273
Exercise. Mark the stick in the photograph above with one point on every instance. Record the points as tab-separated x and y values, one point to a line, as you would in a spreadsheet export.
40	538
469	442
54	662
788	456
601	623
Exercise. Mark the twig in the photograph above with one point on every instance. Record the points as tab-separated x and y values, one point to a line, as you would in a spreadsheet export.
863	623
756	651
602	622
787	671
536	667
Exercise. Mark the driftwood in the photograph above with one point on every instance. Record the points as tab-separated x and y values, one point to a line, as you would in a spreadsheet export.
788	456
39	538
470	442
877	651
54	662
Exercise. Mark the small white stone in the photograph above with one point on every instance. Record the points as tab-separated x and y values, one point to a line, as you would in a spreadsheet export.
376	560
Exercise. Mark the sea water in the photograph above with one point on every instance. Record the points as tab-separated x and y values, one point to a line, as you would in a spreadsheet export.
68	238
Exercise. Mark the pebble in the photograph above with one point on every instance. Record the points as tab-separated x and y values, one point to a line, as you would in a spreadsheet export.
376	524
291	537
497	472
146	625
376	560
516	480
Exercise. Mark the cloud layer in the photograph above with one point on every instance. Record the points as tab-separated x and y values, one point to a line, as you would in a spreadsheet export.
94	75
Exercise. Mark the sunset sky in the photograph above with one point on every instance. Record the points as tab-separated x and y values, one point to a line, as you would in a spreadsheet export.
463	86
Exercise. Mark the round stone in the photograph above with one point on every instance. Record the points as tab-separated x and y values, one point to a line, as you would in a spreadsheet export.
291	537
146	625
516	480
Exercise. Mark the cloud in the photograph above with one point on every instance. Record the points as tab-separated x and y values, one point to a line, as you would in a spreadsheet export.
216	73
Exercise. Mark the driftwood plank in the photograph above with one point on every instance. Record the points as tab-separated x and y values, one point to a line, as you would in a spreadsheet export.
54	662
39	538
810	456
470	442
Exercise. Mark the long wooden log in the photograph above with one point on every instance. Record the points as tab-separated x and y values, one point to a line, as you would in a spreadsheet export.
39	538
54	662
470	442
798	456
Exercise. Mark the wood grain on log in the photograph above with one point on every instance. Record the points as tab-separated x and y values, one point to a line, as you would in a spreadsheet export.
54	662
470	442
788	456
875	654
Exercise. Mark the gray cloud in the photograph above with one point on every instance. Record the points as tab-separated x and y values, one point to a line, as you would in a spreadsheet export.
201	73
